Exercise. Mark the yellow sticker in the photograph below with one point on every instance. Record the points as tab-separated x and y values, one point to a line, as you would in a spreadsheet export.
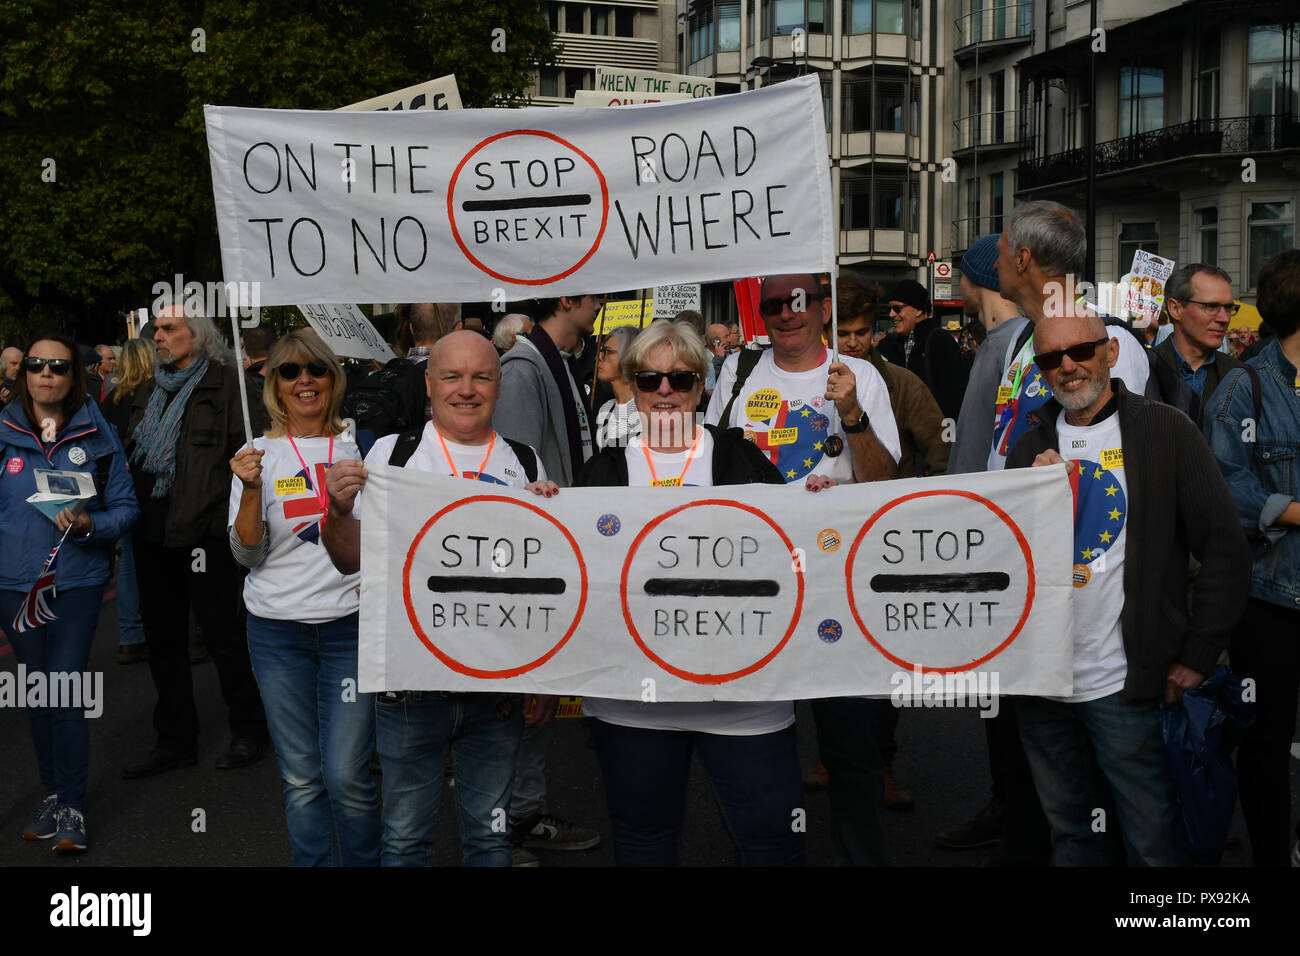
1082	575
1004	394
291	486
829	540
666	483
568	707
782	436
763	404
1112	458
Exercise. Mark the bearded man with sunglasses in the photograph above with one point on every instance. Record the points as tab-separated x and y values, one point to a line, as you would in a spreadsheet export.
183	431
1146	494
820	422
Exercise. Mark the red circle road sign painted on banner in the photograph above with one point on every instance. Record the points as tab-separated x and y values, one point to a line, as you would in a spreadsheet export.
692	676
1003	518
446	658
549	200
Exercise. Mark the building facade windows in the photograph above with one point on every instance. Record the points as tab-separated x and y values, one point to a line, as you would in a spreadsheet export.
624	22
701	31
996	200
1132	237
1273	69
728	27
857	112
888	212
1141	99
889	16
1207	77
856	16
1270	229
1207	228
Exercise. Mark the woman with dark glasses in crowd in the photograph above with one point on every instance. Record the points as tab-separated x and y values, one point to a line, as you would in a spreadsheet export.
51	426
302	613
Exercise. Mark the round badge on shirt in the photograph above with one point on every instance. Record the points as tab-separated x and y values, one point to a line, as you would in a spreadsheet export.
77	455
15	465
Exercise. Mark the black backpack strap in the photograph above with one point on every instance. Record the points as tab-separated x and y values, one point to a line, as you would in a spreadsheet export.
405	446
526	457
745	365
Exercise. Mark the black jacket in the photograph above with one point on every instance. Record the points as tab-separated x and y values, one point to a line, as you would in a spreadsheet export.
212	430
1178	503
936	358
736	461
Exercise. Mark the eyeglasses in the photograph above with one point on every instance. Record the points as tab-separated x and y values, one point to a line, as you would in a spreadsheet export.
771	308
1050	361
681	381
291	370
605	351
58	366
1212	308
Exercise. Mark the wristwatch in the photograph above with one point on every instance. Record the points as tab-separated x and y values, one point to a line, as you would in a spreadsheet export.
862	425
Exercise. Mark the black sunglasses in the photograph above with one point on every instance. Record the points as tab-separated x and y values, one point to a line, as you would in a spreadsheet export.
682	381
771	308
1084	351
58	366
291	370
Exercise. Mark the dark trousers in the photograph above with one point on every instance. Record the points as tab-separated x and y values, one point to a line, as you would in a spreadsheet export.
1266	647
1026	837
171	581
848	739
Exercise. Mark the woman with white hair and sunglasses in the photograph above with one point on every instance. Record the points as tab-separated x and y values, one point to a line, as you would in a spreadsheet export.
302	613
748	749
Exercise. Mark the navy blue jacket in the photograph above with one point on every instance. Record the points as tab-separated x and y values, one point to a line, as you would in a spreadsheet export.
26	535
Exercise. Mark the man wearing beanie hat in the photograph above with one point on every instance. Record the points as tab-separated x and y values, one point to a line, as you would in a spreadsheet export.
919	345
981	297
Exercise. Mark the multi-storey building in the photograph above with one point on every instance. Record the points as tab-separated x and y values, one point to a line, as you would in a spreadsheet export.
1197	119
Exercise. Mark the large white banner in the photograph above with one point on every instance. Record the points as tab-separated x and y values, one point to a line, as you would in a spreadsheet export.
738	593
321	207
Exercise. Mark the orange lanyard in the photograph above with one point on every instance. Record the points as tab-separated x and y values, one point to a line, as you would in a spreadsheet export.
680	479
450	462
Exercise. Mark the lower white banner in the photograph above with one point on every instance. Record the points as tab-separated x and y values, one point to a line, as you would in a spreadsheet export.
753	592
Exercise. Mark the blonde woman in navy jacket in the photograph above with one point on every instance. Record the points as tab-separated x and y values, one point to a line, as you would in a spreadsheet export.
51	425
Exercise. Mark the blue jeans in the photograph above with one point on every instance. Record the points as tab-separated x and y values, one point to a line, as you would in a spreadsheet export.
415	732
129	623
756	782
323	732
848	740
1091	756
60	734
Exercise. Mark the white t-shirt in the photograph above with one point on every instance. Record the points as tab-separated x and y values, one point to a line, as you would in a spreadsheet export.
733	719
1021	395
296	581
502	466
1100	531
786	414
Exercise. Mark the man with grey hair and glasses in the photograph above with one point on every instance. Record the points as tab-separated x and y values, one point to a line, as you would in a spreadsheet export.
1201	307
184	429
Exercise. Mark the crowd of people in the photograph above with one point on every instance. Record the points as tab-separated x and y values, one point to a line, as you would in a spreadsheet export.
1180	458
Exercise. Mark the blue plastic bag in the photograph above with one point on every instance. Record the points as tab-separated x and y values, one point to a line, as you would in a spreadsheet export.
1200	734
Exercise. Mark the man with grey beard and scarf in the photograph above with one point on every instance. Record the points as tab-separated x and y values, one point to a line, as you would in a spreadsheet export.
1146	493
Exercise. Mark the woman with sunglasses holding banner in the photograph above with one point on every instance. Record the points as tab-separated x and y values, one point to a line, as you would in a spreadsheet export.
748	749
55	563
302	613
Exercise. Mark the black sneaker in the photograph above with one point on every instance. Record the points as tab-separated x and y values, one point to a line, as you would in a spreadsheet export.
984	829
542	831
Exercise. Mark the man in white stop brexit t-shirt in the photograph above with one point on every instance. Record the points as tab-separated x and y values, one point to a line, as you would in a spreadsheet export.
821	421
415	730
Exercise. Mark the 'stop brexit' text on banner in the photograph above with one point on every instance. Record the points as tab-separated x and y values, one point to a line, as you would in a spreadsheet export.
359	206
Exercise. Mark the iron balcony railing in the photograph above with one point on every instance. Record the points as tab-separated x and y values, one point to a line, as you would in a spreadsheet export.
1008	21
995	128
1236	134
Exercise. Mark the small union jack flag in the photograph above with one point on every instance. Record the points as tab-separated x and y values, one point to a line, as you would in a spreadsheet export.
35	610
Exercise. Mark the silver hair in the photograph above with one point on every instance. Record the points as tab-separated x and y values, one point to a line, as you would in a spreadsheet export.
1052	233
1179	285
686	343
503	336
207	338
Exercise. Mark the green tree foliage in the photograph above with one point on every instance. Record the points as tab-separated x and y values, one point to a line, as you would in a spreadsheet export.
113	94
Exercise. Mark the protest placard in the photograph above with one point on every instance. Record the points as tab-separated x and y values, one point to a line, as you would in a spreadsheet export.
599	98
439	94
1144	293
454	205
749	592
671	299
634	312
347	331
615	80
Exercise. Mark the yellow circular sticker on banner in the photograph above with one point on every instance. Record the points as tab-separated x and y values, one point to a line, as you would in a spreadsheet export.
829	540
1082	575
763	404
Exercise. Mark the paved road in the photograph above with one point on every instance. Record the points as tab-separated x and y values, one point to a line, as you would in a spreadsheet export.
150	822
